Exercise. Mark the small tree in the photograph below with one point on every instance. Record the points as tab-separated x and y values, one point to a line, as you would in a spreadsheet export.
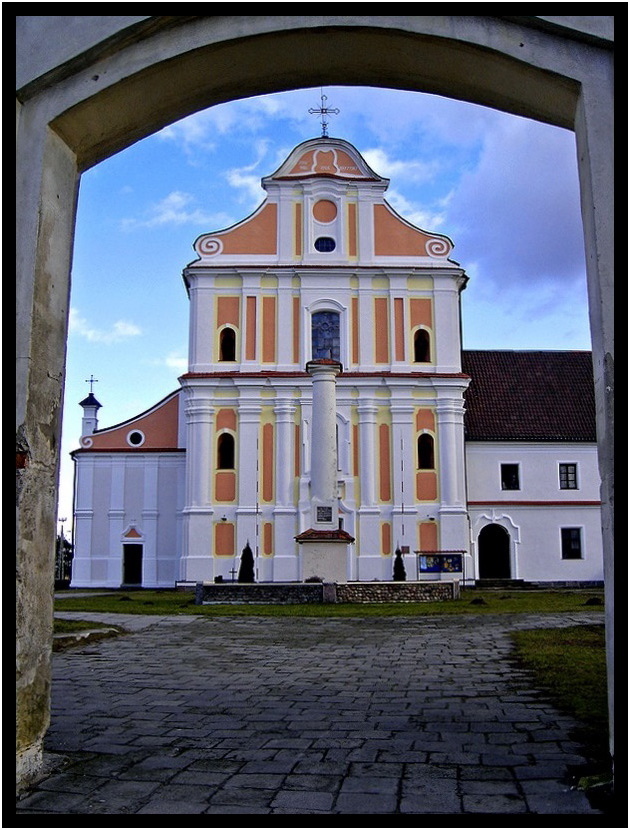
246	570
400	575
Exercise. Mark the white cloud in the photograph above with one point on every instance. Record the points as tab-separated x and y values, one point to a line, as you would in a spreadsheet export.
420	217
120	330
177	208
247	183
173	360
201	130
415	171
196	130
245	179
517	211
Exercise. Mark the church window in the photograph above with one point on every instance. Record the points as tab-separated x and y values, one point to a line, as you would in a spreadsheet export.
426	460
571	542
225	451
227	344
421	347
325	244
325	335
510	477
568	477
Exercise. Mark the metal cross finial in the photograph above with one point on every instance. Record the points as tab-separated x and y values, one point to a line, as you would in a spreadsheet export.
323	110
91	381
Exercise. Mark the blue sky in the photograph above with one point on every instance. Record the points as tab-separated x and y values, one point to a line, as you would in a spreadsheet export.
503	188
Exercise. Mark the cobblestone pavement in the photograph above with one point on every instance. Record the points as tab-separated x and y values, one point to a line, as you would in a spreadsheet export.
269	715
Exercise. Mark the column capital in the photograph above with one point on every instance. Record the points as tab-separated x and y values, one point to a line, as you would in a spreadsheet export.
198	409
323	368
367	408
284	406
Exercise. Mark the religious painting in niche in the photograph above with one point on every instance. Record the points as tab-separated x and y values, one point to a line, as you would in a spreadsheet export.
325	335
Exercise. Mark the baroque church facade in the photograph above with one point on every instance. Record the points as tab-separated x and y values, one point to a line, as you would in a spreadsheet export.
474	464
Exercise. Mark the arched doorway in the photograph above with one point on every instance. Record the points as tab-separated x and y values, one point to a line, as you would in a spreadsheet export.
494	553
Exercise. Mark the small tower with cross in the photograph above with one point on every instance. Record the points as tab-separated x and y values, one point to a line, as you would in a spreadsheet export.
323	111
89	423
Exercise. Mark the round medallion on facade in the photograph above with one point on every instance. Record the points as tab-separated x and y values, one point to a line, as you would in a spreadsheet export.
324	211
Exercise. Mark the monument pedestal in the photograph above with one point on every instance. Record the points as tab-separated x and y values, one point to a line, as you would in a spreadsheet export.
324	546
324	554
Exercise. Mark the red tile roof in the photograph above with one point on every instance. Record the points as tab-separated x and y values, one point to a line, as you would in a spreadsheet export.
529	396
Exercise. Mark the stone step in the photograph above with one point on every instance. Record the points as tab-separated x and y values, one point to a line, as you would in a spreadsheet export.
512	584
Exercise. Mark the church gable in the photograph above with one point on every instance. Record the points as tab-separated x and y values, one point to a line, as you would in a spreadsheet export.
156	429
325	157
325	206
394	236
254	235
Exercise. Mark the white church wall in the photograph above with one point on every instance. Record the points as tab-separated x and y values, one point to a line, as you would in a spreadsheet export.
141	493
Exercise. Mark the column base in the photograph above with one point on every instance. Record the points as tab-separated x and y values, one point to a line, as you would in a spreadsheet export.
324	555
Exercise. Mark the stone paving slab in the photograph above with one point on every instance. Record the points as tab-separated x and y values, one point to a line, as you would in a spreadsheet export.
261	715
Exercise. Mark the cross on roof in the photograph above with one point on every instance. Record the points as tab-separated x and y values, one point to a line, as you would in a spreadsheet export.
323	110
91	381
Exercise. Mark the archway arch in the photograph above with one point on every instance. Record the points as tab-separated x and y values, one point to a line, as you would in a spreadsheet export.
140	74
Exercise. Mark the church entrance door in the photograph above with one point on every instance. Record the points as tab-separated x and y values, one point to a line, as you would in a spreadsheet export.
494	553
132	565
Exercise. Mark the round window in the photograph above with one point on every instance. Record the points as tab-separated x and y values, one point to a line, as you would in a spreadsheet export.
135	438
325	244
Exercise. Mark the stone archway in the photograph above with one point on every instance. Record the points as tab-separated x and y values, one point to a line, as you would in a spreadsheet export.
493	547
90	86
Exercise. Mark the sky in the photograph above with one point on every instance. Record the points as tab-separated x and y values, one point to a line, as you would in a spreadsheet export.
504	189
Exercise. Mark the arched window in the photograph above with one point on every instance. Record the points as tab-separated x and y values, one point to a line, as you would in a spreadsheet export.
227	344
225	451
425	452
325	335
422	347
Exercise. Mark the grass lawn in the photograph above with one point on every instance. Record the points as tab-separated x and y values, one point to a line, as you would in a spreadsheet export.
98	631
471	602
569	665
71	626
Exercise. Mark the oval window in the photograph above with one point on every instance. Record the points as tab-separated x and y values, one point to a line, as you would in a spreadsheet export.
325	244
135	438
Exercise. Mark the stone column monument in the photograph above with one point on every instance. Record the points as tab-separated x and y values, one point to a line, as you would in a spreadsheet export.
324	545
